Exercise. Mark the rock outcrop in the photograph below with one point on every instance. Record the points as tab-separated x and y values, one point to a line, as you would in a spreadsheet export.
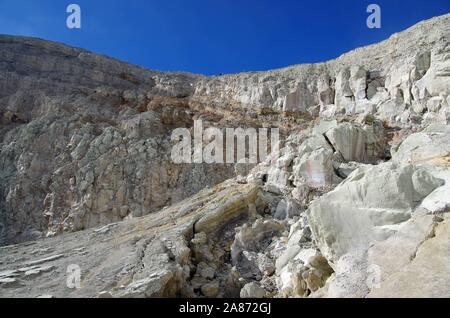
356	204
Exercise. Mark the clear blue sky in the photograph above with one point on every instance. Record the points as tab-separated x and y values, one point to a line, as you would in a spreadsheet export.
215	36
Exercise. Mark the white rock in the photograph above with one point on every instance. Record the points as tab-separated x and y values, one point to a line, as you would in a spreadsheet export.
356	213
252	290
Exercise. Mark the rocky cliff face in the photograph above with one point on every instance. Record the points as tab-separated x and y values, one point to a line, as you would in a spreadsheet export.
386	78
356	204
86	140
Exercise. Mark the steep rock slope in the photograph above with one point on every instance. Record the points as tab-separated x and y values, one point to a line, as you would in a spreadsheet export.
355	204
85	140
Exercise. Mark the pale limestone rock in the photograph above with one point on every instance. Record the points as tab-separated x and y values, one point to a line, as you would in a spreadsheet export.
300	100
328	111
397	251
426	274
315	168
299	279
252	290
236	203
323	126
326	92
437	78
278	179
152	287
344	95
362	209
361	267
350	277
345	169
85	143
358	82
355	143
287	209
438	201
45	296
105	295
427	146
149	257
210	289
290	253
118	111
349	140
391	110
365	106
247	244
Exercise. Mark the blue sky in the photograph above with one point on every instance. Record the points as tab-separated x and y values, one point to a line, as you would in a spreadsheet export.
215	36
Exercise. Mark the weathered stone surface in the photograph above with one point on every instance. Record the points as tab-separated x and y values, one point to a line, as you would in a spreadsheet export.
146	257
313	165
388	239
301	278
425	273
300	100
425	146
397	251
356	274
252	290
355	143
85	147
249	243
228	208
364	208
439	200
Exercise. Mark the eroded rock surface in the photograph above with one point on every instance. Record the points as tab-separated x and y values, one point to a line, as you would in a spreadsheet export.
356	204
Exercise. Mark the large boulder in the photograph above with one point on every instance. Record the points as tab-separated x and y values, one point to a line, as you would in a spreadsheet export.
356	142
350	141
429	148
366	207
358	82
314	166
